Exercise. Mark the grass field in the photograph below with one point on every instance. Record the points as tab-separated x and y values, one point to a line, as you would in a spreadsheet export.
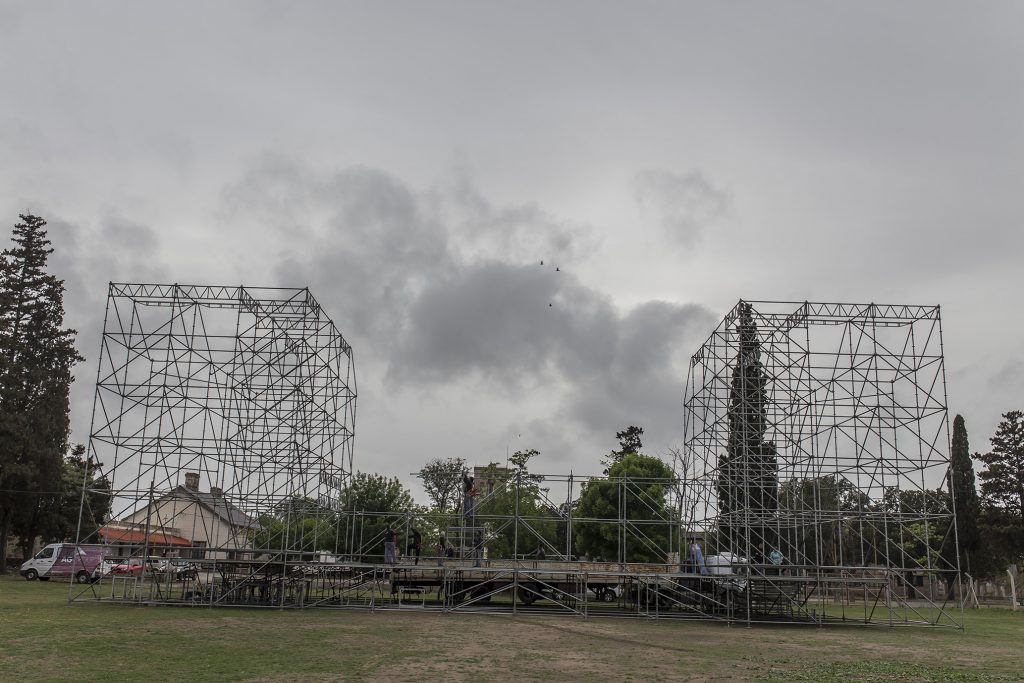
42	638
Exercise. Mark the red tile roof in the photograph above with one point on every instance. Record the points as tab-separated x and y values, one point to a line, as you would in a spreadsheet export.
115	535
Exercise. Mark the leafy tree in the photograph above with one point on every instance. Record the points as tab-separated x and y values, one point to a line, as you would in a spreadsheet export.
1002	480
629	442
1001	542
916	502
920	524
522	495
965	496
748	472
640	483
36	358
442	480
520	465
374	502
919	542
561	515
827	539
57	514
297	523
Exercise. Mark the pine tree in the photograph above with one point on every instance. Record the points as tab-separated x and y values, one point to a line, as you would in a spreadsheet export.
36	357
965	496
1002	480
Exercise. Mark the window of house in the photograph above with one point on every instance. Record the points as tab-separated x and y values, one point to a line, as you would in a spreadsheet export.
198	550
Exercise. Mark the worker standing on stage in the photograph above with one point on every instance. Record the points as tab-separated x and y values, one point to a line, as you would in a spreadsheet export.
478	548
390	546
468	497
442	549
414	544
697	557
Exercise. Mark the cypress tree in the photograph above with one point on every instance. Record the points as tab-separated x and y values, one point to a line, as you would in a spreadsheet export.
965	495
748	480
36	357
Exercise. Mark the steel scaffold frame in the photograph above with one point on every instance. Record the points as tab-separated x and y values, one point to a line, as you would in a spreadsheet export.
821	417
819	432
214	407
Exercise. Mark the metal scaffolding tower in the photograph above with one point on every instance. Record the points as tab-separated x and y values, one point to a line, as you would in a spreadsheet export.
817	440
215	407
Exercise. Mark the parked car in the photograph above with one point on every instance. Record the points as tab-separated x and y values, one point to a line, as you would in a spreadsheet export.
180	569
607	593
134	566
64	560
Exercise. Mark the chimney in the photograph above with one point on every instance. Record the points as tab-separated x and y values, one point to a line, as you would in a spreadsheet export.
216	491
192	481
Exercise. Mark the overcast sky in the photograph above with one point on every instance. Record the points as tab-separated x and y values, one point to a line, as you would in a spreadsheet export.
412	163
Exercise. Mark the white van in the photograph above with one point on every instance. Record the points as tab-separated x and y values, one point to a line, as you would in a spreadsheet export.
61	560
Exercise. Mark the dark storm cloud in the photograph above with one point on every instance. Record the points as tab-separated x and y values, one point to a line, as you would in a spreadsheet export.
684	204
644	381
372	245
359	238
446	285
508	322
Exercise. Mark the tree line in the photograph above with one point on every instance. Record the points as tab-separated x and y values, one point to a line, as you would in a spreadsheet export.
514	513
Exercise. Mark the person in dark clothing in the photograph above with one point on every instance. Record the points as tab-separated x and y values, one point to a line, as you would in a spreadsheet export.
468	495
390	546
759	557
442	549
414	545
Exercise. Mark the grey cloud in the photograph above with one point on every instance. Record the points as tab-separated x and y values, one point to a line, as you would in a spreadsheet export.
373	246
10	19
644	382
684	204
520	232
446	286
87	258
360	238
506	322
1010	375
494	322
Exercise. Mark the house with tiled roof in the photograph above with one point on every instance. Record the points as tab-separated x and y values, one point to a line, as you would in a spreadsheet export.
184	522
